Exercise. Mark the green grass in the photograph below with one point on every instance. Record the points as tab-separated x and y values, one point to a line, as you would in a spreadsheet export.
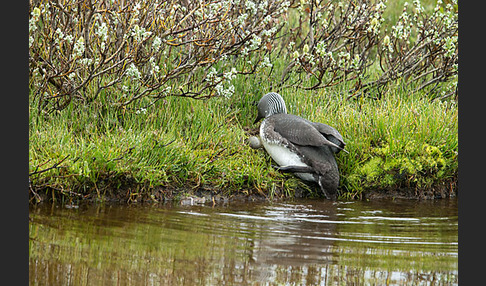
180	146
401	140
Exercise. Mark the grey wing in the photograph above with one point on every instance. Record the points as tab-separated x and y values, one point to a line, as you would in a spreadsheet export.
330	133
300	131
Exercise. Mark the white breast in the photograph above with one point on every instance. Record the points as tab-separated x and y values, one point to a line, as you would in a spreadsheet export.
284	157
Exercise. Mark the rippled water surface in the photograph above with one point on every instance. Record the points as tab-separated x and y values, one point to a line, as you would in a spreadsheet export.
303	242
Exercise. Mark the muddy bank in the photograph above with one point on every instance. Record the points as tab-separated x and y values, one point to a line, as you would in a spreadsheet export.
128	191
447	189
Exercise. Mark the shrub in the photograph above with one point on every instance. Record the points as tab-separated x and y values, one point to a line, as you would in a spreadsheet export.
335	41
128	50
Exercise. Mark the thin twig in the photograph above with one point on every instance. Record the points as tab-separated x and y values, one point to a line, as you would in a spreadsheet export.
55	166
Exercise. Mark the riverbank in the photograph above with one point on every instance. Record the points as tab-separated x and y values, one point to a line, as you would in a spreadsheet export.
136	193
402	145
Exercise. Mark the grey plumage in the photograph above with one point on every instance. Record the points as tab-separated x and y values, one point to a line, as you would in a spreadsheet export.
300	146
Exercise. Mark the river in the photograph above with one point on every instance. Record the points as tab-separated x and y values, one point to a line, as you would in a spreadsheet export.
298	242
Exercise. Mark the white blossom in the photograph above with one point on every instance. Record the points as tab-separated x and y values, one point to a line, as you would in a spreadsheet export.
418	7
284	6
156	44
85	61
133	72
374	25
305	49
355	63
250	5
291	45
78	49
153	65
331	57
265	63
381	6
262	7
438	5
255	42
32	25
212	75
58	37
68	38
321	48
387	44
35	14
225	92
230	75
102	33
450	46
141	110
269	33
344	57
267	19
139	33
242	18
244	51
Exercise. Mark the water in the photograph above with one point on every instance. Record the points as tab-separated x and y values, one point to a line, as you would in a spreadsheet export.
304	242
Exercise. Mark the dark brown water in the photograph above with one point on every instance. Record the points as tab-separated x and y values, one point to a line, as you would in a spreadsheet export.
304	242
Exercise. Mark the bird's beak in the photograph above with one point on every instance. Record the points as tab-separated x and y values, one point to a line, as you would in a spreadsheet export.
257	119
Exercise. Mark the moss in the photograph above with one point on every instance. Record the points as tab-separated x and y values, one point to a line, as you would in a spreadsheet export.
414	164
372	169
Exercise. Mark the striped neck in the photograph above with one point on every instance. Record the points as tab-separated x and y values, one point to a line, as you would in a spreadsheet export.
270	104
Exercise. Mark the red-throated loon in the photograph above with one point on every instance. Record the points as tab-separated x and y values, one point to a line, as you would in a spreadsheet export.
298	145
